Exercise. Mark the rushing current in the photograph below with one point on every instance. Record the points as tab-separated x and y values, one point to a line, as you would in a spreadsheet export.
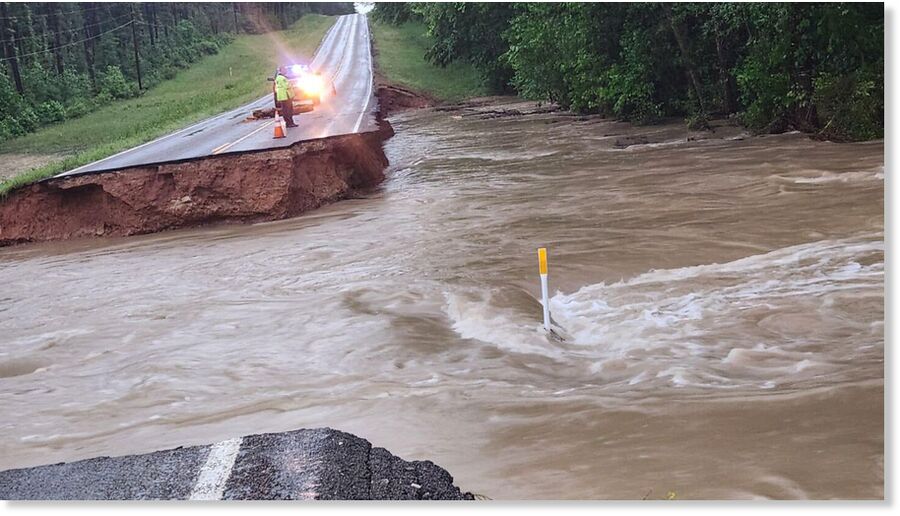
720	298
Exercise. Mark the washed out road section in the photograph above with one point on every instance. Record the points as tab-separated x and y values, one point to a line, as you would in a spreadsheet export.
343	58
300	465
225	170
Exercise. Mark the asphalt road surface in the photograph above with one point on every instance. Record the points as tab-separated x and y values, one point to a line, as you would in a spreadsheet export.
344	57
321	463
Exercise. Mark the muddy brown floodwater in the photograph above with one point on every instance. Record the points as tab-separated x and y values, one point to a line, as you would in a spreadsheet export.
722	298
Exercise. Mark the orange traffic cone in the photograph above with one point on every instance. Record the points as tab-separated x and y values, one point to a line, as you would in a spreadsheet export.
279	126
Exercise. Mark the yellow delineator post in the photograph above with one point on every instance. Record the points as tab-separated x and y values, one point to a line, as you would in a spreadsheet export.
545	294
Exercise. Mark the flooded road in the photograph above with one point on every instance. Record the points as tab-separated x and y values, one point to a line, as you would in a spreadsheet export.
722	299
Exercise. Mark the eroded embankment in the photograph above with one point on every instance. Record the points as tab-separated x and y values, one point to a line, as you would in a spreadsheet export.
248	187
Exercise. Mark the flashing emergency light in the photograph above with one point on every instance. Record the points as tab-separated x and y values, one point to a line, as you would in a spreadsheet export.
310	83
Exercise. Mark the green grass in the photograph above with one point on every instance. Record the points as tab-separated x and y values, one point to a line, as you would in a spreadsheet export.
218	83
401	59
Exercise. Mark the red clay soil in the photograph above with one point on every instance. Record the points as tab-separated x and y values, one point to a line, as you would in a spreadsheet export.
393	98
248	187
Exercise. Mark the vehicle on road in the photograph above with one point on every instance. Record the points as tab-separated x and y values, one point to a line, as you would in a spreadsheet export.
307	84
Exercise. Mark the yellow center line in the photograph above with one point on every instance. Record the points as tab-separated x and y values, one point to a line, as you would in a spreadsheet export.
222	148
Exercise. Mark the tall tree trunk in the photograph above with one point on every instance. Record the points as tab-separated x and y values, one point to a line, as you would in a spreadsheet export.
149	17
89	20
687	56
726	81
282	15
802	67
234	11
137	51
9	48
166	29
53	22
213	15
154	11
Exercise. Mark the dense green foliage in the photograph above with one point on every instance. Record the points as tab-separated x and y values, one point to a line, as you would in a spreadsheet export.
63	60
401	59
815	67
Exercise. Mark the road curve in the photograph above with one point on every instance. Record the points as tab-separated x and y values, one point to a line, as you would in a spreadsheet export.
344	56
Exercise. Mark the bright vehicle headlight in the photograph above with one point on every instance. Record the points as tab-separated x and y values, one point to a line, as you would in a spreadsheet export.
311	84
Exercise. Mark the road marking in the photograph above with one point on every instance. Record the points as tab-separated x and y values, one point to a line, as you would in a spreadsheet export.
345	22
161	138
225	146
247	106
328	37
327	47
371	78
340	65
215	472
222	148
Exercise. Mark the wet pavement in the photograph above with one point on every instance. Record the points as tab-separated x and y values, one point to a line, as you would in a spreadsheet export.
320	464
344	59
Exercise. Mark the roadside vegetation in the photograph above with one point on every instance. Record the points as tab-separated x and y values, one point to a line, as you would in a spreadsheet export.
118	115
814	67
401	49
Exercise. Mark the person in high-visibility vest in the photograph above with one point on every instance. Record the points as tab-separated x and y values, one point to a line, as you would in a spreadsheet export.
284	97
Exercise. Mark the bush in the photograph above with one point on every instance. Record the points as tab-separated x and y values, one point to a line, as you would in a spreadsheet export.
73	85
10	100
169	72
697	122
103	98
41	83
850	107
7	129
79	107
27	121
50	111
394	13
114	84
207	47
766	93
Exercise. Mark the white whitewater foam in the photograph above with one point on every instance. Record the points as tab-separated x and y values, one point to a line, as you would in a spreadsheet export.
826	177
760	321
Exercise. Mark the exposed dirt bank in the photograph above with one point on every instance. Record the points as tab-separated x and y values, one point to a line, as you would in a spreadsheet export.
249	187
393	98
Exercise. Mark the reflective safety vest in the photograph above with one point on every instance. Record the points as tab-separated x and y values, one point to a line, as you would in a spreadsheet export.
283	90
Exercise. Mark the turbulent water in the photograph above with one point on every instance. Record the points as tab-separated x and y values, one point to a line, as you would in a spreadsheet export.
721	299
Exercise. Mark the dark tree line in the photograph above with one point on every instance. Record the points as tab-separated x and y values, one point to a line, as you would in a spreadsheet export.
816	67
62	60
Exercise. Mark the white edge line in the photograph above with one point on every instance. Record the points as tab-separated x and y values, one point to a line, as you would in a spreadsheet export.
343	59
326	43
371	76
161	138
245	106
197	124
327	35
215	471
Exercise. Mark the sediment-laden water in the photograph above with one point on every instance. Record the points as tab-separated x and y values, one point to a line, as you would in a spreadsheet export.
721	298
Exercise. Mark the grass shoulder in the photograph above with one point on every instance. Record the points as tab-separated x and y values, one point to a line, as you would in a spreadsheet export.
401	60
218	83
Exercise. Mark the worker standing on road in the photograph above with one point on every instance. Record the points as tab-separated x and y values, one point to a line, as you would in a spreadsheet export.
284	97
